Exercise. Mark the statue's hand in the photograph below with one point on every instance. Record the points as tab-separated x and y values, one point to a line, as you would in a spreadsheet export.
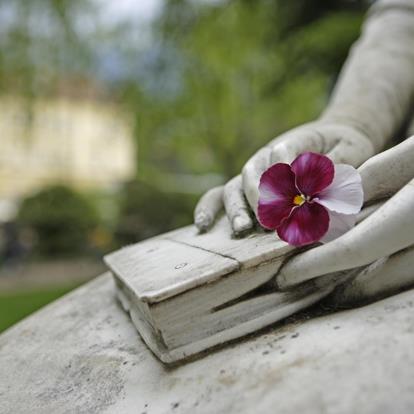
385	232
342	143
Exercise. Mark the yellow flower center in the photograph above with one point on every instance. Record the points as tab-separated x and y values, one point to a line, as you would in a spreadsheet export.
299	199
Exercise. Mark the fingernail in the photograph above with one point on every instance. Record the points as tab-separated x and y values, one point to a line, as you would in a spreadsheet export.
202	220
241	223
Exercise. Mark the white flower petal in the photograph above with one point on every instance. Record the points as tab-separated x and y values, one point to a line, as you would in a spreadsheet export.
345	194
338	225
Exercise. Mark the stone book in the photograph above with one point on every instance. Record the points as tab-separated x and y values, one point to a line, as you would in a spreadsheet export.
186	292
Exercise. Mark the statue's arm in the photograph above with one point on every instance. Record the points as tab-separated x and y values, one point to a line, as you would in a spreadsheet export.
376	86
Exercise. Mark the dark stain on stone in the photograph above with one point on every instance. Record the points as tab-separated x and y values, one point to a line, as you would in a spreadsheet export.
295	335
175	405
336	327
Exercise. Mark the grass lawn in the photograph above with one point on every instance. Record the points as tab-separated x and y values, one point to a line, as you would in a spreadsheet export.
15	306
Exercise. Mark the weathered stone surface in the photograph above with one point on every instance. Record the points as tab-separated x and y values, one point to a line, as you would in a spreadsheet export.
82	355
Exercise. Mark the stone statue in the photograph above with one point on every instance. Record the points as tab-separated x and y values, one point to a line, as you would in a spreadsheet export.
370	105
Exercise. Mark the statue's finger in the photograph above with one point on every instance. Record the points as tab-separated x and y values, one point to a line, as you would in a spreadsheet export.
236	206
382	278
368	210
208	207
384	232
384	174
283	153
350	150
251	174
298	141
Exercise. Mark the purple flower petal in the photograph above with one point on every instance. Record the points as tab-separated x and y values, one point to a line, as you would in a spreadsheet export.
276	193
339	224
306	224
314	172
345	194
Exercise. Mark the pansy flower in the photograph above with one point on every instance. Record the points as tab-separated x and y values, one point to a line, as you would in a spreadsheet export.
309	200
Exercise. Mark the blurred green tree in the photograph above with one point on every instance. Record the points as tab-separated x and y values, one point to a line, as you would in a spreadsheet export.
248	70
62	220
41	44
146	211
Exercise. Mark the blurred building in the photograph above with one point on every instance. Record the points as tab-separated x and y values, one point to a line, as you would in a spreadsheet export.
86	143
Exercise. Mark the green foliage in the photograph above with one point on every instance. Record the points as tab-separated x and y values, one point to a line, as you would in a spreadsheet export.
324	44
250	70
33	60
146	211
61	219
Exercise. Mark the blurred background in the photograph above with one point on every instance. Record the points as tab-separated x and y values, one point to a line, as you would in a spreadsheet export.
115	116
